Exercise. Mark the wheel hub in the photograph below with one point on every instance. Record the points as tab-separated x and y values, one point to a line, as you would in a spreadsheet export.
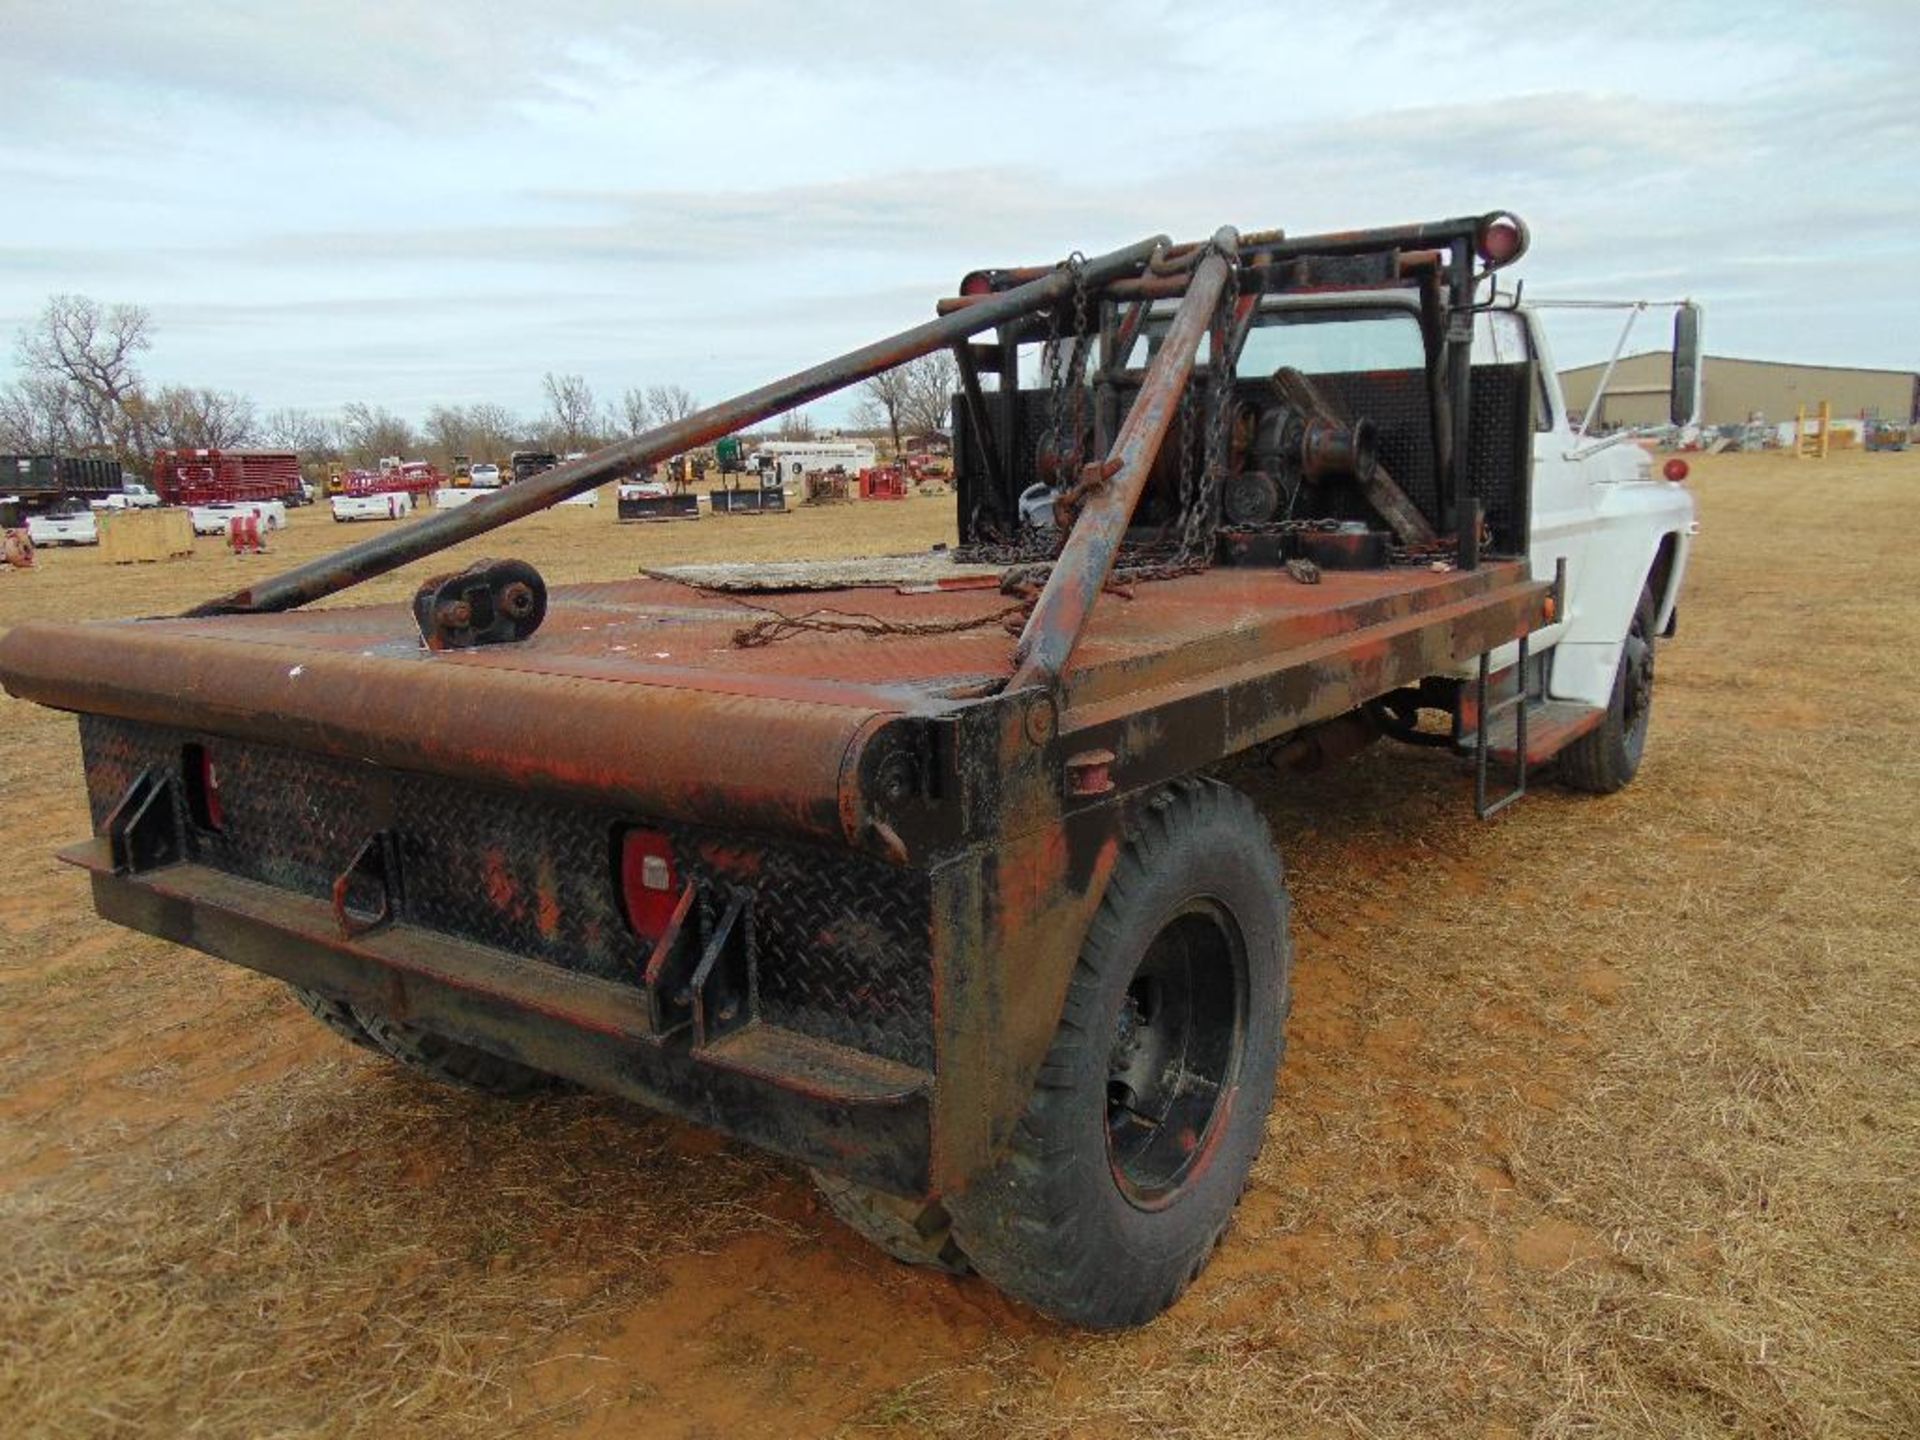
1175	1054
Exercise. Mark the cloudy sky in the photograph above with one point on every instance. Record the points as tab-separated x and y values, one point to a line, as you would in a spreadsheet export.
435	200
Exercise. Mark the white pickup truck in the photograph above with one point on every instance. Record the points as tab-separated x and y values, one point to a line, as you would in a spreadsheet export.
132	495
214	519
64	527
382	505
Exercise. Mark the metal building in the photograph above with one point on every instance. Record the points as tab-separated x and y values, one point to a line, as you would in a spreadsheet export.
1732	390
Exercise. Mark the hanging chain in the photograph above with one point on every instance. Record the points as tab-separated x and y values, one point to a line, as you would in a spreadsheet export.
1200	505
1051	459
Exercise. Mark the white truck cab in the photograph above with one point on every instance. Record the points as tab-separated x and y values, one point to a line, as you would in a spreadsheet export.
1600	507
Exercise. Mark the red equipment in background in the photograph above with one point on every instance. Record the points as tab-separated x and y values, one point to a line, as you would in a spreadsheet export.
414	477
883	482
211	477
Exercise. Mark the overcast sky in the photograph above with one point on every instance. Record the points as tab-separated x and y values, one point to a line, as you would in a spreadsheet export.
440	200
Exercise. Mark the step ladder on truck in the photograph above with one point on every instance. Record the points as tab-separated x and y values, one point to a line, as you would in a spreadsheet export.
919	871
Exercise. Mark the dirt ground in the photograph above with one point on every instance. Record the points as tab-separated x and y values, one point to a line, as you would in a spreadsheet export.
1600	1119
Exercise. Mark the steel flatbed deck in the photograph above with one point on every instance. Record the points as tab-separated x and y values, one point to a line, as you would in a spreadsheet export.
638	692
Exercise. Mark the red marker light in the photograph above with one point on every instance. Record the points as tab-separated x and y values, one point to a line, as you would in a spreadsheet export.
649	882
1501	241
203	788
1675	469
978	283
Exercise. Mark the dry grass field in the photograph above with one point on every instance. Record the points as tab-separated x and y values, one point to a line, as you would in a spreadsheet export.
1600	1119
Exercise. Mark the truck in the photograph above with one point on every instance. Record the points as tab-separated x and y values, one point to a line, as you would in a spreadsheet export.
224	477
39	484
927	872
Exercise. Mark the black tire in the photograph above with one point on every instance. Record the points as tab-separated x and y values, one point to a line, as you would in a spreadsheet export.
451	1062
914	1232
1607	757
337	1016
1152	1103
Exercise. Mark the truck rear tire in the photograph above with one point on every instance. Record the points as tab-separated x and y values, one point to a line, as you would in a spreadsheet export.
1151	1106
914	1232
451	1062
435	1056
337	1016
1606	758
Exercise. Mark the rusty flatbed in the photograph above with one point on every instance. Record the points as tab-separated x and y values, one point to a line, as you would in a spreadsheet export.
636	691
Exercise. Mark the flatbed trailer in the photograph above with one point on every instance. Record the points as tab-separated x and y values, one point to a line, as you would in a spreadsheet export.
958	920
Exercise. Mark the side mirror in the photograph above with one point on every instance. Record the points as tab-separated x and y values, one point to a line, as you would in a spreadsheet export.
1684	391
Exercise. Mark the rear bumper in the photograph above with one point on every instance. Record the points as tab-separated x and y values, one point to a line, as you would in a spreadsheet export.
855	1114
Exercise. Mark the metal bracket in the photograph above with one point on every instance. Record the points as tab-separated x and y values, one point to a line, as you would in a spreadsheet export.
708	983
488	603
143	830
723	984
373	875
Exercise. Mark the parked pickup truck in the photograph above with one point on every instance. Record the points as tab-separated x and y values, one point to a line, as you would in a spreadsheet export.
379	505
131	495
68	524
968	924
213	519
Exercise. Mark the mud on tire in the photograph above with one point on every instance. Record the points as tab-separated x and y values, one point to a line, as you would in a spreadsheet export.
1149	1110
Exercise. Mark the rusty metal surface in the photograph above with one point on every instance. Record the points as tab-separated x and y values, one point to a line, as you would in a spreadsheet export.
855	1114
1061	613
633	692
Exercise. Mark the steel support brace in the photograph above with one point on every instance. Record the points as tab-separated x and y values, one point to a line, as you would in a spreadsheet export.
1060	614
439	531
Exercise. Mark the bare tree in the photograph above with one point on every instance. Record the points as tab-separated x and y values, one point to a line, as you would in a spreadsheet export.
931	382
495	431
313	436
794	425
370	432
636	415
570	406
41	415
668	403
193	417
90	348
884	400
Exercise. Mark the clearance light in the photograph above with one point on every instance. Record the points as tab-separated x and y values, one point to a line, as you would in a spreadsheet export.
649	882
1675	469
980	282
1501	241
202	779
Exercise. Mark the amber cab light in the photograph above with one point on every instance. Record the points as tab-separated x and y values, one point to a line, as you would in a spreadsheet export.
649	882
1675	469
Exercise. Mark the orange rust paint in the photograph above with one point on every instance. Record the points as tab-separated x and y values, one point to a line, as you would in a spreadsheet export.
547	900
503	891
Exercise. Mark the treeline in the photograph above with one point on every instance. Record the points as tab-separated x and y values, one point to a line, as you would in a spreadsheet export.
79	390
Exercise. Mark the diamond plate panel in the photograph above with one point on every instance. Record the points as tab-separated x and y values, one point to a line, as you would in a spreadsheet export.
840	943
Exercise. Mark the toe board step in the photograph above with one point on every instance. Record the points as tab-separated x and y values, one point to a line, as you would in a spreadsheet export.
1551	726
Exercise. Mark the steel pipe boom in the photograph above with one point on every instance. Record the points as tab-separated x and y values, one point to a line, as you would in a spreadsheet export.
389	552
1080	574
